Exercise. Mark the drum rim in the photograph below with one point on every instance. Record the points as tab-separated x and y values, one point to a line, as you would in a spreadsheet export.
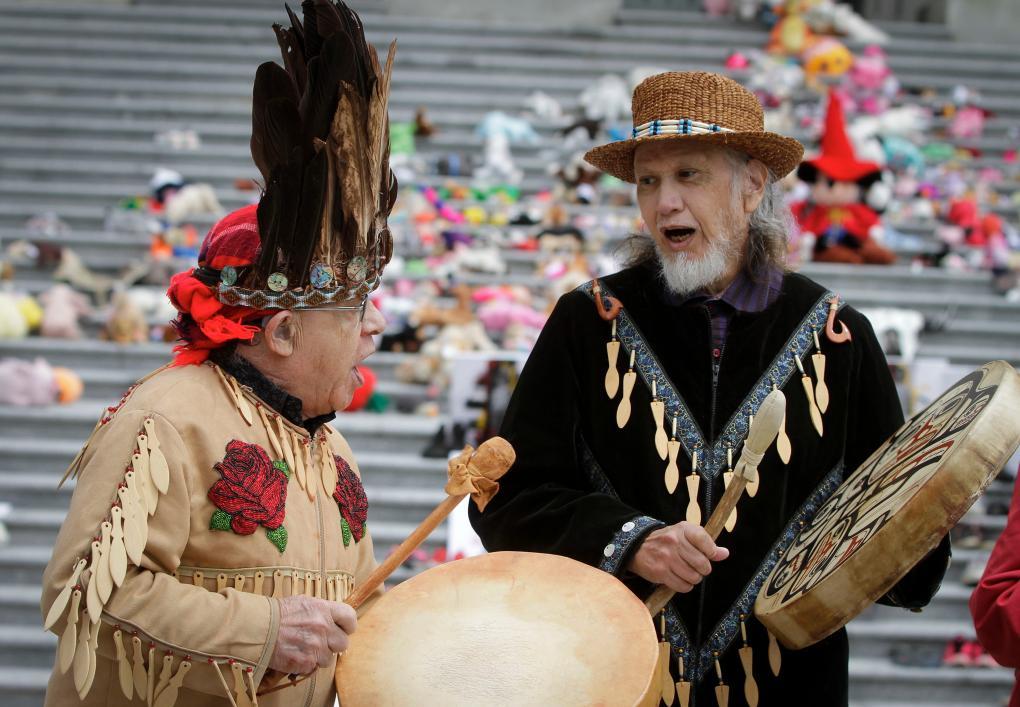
787	620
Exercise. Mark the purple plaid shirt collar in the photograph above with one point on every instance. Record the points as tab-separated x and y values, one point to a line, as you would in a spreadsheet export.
744	294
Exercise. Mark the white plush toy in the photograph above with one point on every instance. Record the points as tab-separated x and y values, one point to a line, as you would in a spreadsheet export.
608	99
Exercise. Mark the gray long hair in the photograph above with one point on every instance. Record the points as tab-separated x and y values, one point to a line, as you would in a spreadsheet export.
767	227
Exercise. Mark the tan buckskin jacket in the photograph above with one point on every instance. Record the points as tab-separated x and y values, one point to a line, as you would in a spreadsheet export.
196	505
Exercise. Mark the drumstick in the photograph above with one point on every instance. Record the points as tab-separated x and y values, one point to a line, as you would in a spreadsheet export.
497	456
487	464
759	439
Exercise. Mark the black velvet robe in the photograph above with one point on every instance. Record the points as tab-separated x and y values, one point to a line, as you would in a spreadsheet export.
579	480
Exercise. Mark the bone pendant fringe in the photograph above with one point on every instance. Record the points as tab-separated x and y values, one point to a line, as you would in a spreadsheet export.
775	657
95	607
821	390
145	482
69	638
809	393
168	697
104	579
138	675
722	690
60	603
612	382
81	656
623	410
93	650
672	475
123	665
747	661
783	445
240	691
118	553
683	687
751	489
665	679
164	675
159	470
693	513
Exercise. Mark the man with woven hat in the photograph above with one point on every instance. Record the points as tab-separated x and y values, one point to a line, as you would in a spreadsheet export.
633	406
218	521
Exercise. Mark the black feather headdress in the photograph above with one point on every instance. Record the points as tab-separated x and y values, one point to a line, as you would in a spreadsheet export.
320	138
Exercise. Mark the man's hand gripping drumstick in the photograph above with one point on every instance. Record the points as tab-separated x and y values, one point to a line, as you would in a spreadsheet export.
696	546
313	631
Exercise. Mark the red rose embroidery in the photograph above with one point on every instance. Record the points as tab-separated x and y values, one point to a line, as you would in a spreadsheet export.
350	497
252	491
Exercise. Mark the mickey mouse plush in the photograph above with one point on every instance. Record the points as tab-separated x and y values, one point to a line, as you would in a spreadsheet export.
844	227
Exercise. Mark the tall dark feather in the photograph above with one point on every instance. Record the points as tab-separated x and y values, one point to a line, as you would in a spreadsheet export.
324	160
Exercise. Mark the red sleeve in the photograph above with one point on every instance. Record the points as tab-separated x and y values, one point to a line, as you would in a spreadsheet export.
995	603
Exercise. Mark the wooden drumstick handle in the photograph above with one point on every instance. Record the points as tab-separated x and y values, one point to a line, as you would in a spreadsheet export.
494	457
404	550
761	435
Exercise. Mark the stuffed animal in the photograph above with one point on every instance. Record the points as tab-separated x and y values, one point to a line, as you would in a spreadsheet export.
845	228
27	383
125	324
12	321
423	127
69	385
825	58
61	308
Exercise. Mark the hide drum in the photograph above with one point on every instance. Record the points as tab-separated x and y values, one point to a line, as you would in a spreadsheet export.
508	628
894	509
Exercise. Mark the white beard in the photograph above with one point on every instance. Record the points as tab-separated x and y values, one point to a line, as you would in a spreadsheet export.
685	275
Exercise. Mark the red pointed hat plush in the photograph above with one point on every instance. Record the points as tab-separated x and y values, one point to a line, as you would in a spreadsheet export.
837	159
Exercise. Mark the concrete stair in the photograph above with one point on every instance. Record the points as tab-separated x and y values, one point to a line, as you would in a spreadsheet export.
85	88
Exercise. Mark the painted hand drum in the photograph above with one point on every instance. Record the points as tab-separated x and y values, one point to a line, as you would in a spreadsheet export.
894	509
510	628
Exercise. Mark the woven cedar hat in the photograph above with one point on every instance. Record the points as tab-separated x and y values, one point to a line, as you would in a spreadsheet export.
702	108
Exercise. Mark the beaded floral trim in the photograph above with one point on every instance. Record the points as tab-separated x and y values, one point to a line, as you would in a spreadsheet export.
712	460
701	662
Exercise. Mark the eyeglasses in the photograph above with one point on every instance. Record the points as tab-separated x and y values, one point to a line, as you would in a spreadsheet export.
360	308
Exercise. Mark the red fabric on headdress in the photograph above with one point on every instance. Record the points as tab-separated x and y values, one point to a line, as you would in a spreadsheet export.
233	241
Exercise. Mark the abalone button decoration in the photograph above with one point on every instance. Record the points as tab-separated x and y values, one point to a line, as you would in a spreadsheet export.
357	268
321	276
228	276
609	550
628	526
277	282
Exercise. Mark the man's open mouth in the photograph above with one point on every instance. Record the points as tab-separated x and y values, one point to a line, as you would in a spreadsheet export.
678	235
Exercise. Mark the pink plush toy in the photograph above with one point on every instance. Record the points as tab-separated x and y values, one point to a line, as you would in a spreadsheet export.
27	382
61	308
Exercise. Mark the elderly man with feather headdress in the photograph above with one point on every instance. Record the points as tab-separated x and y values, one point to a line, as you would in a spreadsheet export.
218	521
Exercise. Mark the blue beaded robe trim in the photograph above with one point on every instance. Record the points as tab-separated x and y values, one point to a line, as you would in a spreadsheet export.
619	546
712	460
701	663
